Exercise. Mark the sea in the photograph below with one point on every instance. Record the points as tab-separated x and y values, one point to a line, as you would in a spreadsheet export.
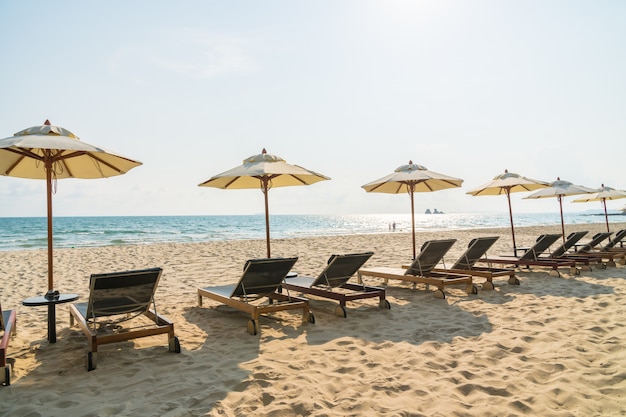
23	233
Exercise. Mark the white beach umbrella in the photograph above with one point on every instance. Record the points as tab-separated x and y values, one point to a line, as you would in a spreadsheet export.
52	152
264	171
602	194
508	183
410	179
560	189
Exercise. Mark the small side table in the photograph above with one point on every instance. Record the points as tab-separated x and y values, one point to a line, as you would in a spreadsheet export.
51	300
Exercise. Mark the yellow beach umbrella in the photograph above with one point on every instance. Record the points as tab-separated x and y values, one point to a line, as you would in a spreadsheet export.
411	179
508	183
560	189
51	153
602	194
264	171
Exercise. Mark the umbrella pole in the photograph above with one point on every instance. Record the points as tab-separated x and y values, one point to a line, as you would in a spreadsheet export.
562	222
411	187
49	211
264	182
606	215
508	197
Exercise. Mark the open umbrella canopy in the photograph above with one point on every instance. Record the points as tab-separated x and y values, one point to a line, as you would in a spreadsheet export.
410	179
602	194
264	171
264	166
508	183
52	152
413	177
30	152
559	189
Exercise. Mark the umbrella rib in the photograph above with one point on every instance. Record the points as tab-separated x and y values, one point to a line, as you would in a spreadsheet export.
228	184
103	162
23	154
298	179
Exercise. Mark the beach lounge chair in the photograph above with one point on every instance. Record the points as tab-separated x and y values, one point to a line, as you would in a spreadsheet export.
593	250
466	264
532	257
421	270
563	251
618	238
261	279
117	297
7	329
333	283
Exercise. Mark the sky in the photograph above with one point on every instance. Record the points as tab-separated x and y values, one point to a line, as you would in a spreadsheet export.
351	89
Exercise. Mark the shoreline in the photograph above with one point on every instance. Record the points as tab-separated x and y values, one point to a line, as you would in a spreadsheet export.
502	231
16	234
530	349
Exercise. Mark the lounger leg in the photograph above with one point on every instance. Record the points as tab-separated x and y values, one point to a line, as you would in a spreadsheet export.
340	311
91	361
439	294
174	344
253	325
513	280
199	300
471	289
5	375
488	285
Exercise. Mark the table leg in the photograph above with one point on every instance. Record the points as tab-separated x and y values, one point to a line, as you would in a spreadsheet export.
52	319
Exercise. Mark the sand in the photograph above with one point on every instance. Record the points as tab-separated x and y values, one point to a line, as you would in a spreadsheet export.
552	346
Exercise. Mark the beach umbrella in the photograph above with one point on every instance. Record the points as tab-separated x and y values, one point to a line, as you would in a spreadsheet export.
264	171
411	179
560	189
508	183
602	194
51	152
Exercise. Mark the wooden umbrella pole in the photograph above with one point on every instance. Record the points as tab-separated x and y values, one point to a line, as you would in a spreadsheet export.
562	222
606	215
508	197
264	184
411	192
48	163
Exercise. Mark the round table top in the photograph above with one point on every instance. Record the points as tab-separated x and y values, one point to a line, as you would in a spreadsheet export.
42	300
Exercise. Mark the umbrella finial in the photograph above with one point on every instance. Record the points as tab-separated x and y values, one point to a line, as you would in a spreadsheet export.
410	162
506	171
47	122
263	151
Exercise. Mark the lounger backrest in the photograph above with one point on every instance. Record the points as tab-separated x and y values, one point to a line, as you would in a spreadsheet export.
595	241
541	245
262	276
476	249
619	236
340	269
122	292
2	318
430	255
571	240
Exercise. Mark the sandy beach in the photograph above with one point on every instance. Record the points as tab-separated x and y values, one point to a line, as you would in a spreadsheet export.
552	346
